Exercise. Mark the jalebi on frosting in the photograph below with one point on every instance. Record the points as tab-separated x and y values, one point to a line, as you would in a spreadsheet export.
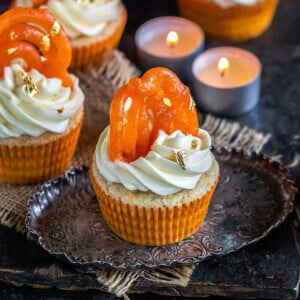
35	36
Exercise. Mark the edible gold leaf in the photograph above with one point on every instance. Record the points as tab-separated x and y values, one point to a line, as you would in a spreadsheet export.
13	35
194	144
31	88
11	51
46	42
192	104
55	29
167	102
179	155
124	121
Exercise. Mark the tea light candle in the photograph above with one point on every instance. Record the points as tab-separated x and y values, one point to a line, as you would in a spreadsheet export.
171	42
226	81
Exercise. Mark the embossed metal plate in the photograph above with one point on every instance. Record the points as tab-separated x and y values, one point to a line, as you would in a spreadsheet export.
254	196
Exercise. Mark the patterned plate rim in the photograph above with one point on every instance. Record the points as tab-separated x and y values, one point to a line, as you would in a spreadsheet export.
274	167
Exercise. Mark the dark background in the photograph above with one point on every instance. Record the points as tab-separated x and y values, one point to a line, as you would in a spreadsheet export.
277	113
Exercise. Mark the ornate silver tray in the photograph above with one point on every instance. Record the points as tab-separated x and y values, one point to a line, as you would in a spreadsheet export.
254	196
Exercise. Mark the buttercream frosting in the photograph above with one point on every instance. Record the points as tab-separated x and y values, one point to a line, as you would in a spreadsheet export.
46	110
159	171
81	18
86	18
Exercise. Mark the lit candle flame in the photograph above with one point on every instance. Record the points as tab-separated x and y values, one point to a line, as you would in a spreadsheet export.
172	39
223	65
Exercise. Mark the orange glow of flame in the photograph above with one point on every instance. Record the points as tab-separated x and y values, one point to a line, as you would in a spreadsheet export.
223	65
172	39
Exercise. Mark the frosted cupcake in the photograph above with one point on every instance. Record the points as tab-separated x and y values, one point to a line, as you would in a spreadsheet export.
153	171
232	20
93	27
41	103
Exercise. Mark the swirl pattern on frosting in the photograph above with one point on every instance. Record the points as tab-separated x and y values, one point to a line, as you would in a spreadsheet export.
159	172
47	110
86	18
81	18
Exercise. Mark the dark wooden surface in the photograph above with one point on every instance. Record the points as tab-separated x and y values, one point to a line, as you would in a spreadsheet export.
268	269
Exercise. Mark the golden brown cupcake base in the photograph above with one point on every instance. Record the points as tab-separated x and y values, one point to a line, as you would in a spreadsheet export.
236	23
92	50
151	226
38	159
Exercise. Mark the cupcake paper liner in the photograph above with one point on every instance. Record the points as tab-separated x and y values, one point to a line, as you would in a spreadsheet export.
36	163
152	226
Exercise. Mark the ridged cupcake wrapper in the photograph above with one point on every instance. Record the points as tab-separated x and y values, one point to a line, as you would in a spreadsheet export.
37	163
152	226
237	23
96	51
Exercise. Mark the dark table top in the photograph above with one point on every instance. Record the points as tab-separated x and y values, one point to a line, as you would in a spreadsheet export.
278	113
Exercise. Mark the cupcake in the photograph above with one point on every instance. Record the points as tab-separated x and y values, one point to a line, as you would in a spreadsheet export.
152	170
232	20
41	103
93	27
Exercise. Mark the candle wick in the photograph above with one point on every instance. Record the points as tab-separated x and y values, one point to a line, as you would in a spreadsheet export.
222	73
172	45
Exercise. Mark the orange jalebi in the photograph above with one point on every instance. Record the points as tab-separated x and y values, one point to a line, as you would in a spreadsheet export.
140	109
39	30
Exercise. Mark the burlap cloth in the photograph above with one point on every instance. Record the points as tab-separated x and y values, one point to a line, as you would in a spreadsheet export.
99	85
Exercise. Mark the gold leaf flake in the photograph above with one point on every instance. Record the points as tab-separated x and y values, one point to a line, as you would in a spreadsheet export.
11	50
55	29
194	144
13	35
127	105
192	104
167	102
46	42
30	86
124	121
179	155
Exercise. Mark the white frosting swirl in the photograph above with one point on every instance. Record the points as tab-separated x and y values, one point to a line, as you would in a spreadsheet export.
159	171
230	3
48	110
86	18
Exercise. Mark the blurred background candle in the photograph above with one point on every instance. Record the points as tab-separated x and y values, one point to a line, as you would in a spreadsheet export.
226	81
171	42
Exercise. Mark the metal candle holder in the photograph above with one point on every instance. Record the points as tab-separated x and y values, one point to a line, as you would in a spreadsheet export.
235	97
152	50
